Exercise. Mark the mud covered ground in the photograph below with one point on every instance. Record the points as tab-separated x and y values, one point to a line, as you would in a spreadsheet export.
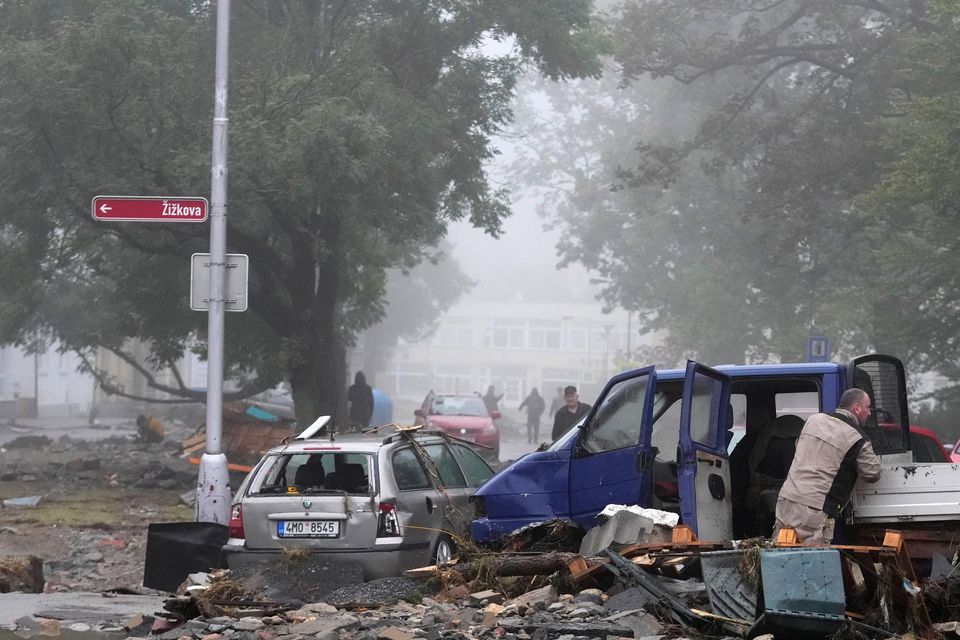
97	498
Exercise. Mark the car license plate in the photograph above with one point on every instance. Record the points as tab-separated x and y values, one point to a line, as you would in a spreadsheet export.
308	528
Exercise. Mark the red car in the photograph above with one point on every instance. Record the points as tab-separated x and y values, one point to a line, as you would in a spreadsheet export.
924	444
465	417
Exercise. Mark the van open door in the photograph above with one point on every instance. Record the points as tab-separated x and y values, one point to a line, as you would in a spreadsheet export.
883	378
704	475
611	461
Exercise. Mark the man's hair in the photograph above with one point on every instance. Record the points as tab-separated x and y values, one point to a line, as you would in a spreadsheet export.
851	397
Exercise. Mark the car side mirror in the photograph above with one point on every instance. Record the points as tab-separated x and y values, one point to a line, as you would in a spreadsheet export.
420	413
496	415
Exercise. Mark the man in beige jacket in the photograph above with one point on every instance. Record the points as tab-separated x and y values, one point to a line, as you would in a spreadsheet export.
832	452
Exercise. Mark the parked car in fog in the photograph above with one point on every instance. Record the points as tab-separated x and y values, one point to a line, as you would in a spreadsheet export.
463	416
387	504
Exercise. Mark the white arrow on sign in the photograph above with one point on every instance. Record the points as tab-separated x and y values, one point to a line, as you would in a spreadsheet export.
104	208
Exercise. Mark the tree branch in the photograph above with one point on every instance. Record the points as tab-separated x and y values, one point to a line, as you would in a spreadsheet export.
183	393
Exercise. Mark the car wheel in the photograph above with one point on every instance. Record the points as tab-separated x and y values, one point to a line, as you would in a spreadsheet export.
443	550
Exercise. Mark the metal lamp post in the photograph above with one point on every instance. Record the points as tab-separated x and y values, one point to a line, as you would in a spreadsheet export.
213	482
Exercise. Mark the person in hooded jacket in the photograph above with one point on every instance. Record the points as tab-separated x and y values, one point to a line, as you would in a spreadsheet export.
360	396
535	405
491	400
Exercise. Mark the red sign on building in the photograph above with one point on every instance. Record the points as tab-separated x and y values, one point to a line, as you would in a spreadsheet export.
149	208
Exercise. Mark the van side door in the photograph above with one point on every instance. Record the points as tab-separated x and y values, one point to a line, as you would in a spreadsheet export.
611	461
704	474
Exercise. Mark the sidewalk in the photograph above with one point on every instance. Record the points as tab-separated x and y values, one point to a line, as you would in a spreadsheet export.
96	610
77	427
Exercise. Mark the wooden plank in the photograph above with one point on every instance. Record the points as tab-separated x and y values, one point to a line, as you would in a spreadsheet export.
682	534
787	537
577	566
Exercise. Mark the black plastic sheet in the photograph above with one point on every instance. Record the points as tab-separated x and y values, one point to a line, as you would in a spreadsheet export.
177	549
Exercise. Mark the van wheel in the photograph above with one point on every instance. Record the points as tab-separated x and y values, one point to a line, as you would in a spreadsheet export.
443	550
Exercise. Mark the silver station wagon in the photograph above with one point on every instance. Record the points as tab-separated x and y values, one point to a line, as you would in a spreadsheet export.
388	503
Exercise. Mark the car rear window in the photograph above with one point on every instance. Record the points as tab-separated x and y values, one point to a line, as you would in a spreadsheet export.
315	472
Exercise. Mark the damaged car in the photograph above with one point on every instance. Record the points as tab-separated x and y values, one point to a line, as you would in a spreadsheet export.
386	503
659	439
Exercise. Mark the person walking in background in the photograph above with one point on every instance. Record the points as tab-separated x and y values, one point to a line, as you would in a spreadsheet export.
571	411
360	396
557	402
535	406
491	399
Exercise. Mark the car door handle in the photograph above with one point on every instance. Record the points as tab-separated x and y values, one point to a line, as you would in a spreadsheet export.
429	505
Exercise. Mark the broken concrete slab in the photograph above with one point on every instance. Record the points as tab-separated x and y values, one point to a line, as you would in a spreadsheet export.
642	623
631	599
114	608
325	625
24	501
623	528
597	628
537	599
488	596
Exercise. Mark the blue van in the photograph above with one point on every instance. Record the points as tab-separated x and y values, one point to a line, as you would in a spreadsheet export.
659	439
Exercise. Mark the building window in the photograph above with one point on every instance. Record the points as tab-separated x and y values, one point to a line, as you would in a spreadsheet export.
451	379
507	334
544	335
411	379
578	339
465	337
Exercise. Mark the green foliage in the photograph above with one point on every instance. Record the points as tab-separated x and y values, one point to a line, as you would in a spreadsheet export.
358	130
718	183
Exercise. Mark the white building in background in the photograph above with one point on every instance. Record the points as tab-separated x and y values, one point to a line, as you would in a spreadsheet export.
17	382
514	346
50	384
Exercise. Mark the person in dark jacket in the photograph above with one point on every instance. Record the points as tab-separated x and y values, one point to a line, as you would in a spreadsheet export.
832	452
491	399
535	406
571	411
360	396
556	402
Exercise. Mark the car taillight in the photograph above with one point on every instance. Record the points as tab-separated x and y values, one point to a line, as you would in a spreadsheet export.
388	526
491	428
235	526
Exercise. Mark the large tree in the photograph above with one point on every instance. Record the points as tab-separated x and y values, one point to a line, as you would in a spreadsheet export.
725	169
359	129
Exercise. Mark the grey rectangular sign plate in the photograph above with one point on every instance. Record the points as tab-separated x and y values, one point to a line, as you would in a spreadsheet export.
234	285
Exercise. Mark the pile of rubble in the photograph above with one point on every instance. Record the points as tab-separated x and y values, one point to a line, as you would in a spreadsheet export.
677	588
637	575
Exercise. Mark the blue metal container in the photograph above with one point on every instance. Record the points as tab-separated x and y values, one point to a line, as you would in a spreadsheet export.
803	581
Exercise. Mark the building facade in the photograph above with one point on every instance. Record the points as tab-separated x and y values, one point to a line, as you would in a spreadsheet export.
514	346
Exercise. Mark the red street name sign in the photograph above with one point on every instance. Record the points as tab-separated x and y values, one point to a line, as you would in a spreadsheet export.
149	209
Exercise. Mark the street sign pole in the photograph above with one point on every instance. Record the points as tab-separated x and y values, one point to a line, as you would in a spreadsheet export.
213	483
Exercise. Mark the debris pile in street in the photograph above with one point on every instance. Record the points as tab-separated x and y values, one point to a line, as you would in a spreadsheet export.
248	431
680	587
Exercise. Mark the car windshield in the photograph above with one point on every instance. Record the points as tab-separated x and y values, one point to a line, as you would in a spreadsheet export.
458	406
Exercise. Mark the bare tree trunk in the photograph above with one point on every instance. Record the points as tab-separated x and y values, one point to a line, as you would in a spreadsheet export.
521	564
